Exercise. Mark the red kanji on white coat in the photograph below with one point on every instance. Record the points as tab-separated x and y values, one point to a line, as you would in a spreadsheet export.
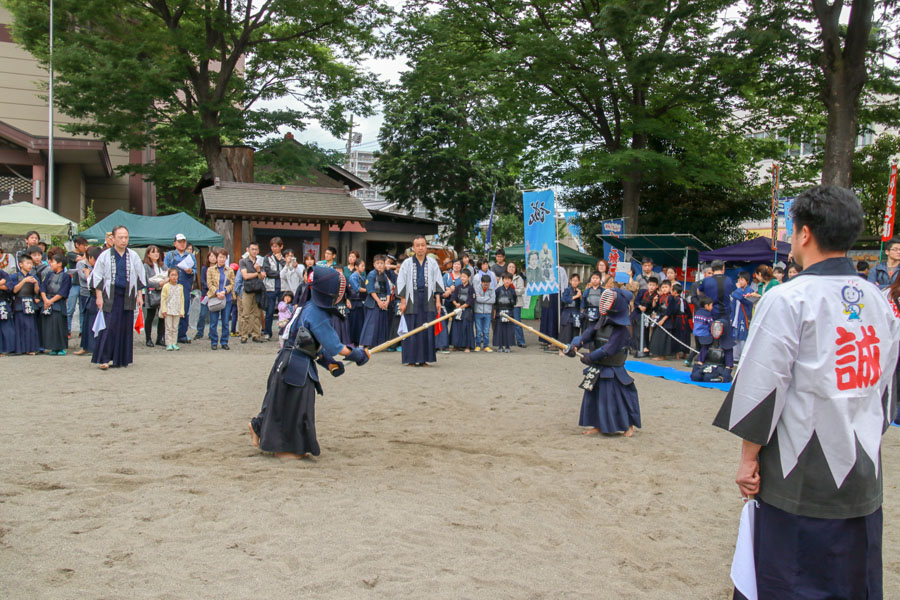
859	360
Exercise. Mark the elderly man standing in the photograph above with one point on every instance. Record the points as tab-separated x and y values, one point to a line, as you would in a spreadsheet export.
184	261
420	286
813	395
119	280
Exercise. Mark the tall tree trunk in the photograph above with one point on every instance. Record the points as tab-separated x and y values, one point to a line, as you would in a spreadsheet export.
844	68
215	159
631	187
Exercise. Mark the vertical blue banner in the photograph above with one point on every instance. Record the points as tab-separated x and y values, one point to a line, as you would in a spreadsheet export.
788	220
574	228
539	212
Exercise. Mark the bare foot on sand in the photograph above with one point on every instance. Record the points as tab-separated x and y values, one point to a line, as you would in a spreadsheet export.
591	431
630	432
254	439
290	455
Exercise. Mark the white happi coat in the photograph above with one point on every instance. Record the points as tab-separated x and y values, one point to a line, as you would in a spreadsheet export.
816	388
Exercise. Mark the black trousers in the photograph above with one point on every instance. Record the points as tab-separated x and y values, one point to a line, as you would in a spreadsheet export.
149	315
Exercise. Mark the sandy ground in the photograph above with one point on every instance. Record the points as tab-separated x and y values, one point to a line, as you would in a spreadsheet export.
466	480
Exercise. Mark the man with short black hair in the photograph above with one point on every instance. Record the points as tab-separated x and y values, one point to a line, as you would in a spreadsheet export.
251	271
862	269
646	273
272	266
885	273
175	259
811	400
499	267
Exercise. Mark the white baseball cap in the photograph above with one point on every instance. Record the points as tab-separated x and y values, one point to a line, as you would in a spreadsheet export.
180	237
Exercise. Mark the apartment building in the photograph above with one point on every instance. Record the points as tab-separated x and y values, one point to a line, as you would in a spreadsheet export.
84	166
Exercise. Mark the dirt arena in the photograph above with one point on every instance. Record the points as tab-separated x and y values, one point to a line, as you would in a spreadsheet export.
466	480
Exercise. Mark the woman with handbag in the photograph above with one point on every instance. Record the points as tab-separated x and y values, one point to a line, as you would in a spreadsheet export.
157	275
220	284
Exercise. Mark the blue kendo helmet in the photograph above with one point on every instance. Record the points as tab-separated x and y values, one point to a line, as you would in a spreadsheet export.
618	312
327	287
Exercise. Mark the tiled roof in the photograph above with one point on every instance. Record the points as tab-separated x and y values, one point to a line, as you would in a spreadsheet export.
261	201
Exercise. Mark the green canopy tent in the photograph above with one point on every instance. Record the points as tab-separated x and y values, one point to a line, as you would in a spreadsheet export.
567	256
159	231
22	217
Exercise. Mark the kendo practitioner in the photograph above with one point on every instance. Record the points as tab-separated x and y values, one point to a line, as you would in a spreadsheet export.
379	290
419	286
504	302
610	402
718	288
286	424
462	334
811	400
7	326
590	303
570	317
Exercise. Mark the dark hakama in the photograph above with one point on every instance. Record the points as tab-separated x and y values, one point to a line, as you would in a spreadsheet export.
341	327
114	343
505	335
287	419
683	331
612	406
420	348
802	557
27	339
355	323
7	329
660	342
442	339
550	317
462	333
55	331
375	327
88	316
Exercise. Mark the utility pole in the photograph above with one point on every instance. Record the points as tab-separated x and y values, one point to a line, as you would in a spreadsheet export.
48	193
349	143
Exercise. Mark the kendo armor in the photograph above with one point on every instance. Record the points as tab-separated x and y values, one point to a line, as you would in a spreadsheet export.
601	337
506	303
306	343
715	355
592	303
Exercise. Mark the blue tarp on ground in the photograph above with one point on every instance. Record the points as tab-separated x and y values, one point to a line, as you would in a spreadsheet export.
637	366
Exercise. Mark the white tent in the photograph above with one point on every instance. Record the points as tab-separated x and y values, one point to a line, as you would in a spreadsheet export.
22	217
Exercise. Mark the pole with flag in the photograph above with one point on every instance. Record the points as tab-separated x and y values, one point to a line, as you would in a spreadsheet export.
775	180
491	222
887	231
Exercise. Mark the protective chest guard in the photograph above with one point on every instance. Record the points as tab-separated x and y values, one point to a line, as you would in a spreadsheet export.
592	304
602	336
295	362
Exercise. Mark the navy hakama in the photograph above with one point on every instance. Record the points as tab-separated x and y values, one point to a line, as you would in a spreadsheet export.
612	406
462	333
355	323
442	339
88	316
661	343
8	335
505	336
420	348
114	343
341	327
375	328
55	331
550	317
27	339
803	558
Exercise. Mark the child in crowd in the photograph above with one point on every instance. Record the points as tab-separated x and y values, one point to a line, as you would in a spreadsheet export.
54	294
285	307
702	322
379	290
357	285
590	303
742	299
681	314
7	326
25	288
643	301
461	334
504	301
661	312
484	307
172	308
570	319
88	304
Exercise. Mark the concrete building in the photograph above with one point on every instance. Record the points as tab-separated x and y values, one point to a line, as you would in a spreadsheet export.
84	166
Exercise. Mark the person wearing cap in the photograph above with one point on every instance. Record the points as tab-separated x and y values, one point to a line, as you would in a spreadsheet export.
174	260
286	423
610	401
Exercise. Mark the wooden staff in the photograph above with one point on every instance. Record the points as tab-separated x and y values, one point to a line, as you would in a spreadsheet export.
418	329
553	341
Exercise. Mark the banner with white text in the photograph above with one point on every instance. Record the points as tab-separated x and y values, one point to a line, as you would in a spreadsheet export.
539	214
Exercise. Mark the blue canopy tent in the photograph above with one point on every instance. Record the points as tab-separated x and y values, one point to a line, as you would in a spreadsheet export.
757	250
159	231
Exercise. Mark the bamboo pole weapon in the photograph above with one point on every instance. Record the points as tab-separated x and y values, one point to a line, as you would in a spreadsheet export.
418	329
549	339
